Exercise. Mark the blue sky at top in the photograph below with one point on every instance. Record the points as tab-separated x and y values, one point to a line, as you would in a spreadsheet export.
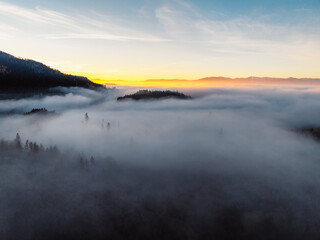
166	38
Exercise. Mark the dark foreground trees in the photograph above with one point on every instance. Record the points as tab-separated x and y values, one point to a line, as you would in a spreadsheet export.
48	194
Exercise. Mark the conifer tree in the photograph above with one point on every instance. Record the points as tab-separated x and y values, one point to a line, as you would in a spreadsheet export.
26	145
86	116
18	141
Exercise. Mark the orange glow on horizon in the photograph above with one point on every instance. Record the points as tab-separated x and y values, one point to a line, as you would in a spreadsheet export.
156	83
208	83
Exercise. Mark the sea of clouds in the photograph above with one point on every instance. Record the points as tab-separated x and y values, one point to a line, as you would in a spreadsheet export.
226	164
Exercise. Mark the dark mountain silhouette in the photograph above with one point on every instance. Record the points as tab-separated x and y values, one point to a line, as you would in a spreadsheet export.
23	75
146	94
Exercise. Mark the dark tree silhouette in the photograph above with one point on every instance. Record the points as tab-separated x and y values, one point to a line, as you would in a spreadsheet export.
147	94
42	111
18	141
26	145
86	117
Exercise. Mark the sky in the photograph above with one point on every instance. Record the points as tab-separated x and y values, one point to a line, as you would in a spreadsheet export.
135	40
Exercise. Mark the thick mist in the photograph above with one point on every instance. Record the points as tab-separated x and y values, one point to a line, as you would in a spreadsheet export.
227	164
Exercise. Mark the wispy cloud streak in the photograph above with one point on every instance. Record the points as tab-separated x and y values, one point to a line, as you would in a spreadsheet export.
72	26
238	34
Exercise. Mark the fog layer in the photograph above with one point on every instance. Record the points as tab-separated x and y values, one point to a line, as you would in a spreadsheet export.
226	164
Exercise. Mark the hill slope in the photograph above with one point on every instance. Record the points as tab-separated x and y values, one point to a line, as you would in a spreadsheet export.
20	75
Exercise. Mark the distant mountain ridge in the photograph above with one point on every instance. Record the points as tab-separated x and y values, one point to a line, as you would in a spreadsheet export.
19	75
264	80
245	80
212	82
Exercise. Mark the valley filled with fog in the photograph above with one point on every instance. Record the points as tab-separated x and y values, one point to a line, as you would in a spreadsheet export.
226	164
